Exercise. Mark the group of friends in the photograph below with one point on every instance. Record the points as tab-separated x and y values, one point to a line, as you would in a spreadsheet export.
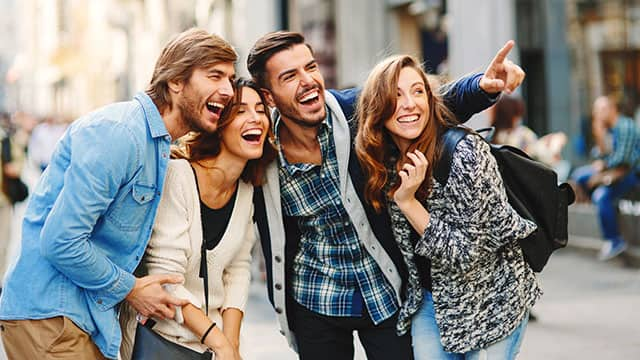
148	210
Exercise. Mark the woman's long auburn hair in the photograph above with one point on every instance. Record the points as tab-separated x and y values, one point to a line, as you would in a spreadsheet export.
197	146
374	145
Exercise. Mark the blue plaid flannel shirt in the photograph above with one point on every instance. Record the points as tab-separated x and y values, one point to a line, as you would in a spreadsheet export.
333	273
626	144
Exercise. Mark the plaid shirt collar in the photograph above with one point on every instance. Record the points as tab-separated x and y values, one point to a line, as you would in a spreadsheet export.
325	127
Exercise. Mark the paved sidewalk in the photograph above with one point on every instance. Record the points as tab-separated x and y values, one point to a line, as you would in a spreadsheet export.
590	311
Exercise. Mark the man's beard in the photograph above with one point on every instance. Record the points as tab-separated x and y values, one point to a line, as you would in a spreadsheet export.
189	110
290	112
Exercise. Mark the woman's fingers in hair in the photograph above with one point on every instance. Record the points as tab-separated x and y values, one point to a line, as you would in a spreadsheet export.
420	162
423	159
409	169
404	176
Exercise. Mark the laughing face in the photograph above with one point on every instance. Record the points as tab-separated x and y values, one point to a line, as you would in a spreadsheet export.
412	109
245	135
205	96
296	86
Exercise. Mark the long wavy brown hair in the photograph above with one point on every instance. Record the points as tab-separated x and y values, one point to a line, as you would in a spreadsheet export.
197	146
374	145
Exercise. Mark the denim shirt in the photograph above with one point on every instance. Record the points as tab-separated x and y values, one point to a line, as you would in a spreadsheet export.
89	219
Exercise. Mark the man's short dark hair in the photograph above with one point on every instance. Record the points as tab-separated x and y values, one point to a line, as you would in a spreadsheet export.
267	46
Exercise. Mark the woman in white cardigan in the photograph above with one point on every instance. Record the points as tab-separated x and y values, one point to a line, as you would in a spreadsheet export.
207	208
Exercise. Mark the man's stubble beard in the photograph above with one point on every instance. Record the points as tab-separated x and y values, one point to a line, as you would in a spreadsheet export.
189	111
290	113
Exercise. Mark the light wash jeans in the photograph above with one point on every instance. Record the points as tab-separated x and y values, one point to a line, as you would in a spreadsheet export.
426	339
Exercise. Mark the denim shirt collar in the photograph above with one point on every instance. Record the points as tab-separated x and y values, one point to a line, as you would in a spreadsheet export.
152	115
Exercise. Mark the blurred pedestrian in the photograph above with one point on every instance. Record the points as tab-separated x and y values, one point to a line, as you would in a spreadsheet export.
471	299
43	141
90	217
10	173
614	174
204	230
506	117
333	266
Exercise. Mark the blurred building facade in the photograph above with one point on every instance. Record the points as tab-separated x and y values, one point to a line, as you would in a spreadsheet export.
70	56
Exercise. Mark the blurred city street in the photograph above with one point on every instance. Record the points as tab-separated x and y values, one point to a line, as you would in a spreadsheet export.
589	311
60	60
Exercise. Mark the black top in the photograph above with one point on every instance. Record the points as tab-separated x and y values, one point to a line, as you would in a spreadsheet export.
214	224
215	221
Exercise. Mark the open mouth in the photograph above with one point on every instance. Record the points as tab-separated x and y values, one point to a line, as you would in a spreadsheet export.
406	119
252	135
215	108
310	98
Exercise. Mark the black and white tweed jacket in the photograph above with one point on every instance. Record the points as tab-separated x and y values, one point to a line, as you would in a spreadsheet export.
482	286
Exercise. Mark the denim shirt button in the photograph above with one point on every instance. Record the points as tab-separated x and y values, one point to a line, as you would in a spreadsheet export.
99	301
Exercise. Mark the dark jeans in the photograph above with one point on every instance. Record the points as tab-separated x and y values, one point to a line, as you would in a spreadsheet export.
329	337
605	198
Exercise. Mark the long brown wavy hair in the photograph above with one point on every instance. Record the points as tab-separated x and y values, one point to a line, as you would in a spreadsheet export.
374	145
197	146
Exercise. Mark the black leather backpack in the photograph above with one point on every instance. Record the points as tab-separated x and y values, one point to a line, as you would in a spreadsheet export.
533	191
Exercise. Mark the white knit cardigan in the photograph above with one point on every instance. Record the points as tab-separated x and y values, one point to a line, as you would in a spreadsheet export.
174	248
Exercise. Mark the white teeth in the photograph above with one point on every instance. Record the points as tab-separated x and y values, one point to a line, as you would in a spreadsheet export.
310	96
409	118
215	104
252	132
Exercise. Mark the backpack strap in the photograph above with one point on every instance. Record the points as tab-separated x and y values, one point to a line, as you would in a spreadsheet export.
450	140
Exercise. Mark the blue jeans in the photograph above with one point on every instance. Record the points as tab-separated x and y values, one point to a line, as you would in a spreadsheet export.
426	339
604	197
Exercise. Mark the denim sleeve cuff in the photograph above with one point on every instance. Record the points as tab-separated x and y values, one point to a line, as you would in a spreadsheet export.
489	97
107	299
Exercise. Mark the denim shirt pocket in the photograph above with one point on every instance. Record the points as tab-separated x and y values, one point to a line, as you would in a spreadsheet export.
129	211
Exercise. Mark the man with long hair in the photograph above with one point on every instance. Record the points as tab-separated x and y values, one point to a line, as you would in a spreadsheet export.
90	217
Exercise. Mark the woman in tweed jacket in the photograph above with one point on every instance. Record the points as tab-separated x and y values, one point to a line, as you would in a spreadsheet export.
469	289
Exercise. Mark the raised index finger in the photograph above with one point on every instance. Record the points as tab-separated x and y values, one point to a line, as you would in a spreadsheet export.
502	53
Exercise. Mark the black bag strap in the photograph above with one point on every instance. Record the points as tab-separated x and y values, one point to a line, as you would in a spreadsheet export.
6	150
490	130
450	140
204	271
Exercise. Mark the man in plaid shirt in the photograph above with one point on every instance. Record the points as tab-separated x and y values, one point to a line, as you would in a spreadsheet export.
614	174
333	266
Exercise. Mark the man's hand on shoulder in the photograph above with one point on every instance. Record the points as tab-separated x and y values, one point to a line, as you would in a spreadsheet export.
151	300
502	75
